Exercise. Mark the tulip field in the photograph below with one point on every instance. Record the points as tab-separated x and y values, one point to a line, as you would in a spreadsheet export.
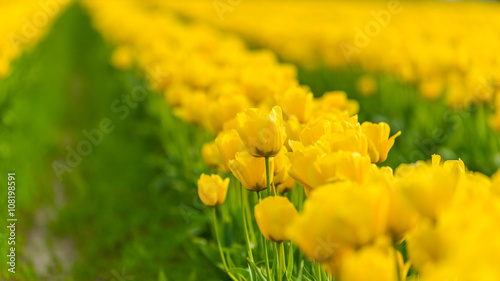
297	140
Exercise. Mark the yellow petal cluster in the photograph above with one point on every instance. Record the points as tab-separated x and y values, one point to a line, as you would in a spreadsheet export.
250	171
212	189
273	215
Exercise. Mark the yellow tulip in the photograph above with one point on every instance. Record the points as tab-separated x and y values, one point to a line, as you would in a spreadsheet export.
263	134
122	58
251	171
297	101
313	167
367	264
281	166
379	141
301	162
229	143
212	190
286	185
293	129
401	216
336	101
225	108
428	189
273	215
211	156
366	85
338	166
338	217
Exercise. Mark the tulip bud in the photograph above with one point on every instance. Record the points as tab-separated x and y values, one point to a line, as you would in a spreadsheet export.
251	171
212	190
273	215
263	134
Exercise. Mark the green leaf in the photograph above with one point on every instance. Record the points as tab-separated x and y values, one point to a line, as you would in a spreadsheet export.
161	275
241	273
256	272
289	268
299	278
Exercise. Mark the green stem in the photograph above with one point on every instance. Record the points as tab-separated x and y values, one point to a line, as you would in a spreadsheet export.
319	272
282	261
268	275
268	176
398	272
248	212
220	246
250	255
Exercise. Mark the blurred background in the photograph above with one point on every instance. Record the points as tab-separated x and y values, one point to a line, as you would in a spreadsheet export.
106	177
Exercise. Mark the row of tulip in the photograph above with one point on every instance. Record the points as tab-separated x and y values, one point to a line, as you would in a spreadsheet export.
276	139
415	41
25	24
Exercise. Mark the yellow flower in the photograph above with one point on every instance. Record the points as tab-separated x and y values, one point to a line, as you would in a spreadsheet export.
224	109
281	166
429	189
338	166
338	217
313	167
122	58
379	141
251	171
301	162
212	190
366	85
190	109
273	215
297	101
263	134
229	142
401	216
336	101
293	130
286	186
456	166
461	243
212	156
367	264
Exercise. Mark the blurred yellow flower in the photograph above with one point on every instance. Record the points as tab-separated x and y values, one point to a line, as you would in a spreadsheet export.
368	264
429	189
293	129
122	58
366	85
263	134
338	217
281	166
251	171
286	186
212	156
297	101
273	215
212	190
